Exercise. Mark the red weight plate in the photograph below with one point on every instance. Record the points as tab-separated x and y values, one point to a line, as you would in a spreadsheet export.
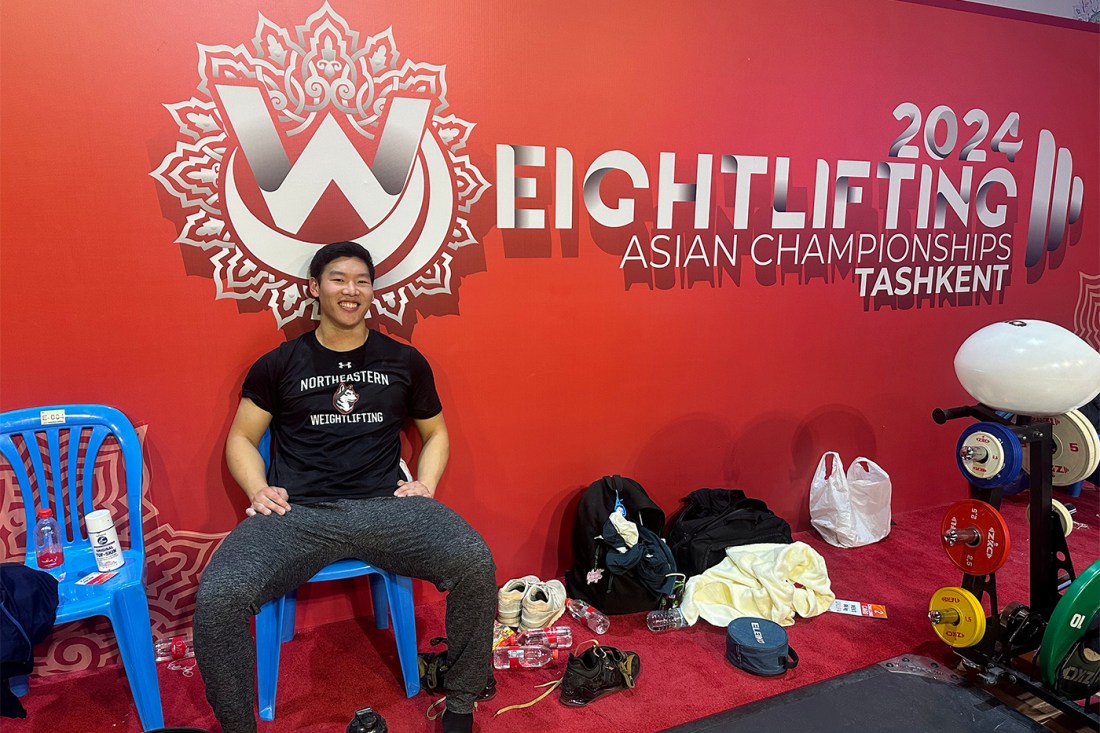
990	552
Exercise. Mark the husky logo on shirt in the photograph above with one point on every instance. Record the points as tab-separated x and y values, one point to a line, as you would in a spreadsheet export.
345	397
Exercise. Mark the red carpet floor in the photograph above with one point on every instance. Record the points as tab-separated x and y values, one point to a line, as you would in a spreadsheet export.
330	671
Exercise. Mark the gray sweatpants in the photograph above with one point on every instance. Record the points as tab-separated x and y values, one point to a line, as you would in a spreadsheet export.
268	556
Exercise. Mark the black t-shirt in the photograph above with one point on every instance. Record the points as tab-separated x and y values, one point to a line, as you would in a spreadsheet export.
337	415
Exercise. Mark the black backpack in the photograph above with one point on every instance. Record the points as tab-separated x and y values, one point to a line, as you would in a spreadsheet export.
714	519
589	579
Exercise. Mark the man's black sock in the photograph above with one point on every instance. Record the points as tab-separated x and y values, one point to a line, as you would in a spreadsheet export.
458	722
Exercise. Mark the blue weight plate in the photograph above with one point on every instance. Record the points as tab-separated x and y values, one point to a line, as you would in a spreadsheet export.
989	455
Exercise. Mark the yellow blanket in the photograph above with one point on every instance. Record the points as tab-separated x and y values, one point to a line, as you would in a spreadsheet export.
771	581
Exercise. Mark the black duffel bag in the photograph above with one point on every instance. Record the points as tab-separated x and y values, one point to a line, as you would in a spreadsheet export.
714	519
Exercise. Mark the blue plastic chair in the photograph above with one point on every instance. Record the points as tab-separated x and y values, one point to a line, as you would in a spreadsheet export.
122	599
391	594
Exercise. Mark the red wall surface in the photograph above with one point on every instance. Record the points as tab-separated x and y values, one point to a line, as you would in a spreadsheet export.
571	349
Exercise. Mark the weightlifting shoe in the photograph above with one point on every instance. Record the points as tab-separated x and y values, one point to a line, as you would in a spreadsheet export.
543	604
598	671
510	599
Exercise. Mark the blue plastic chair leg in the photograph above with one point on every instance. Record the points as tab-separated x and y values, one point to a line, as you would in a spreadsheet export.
269	642
379	599
288	608
19	685
400	594
130	620
391	598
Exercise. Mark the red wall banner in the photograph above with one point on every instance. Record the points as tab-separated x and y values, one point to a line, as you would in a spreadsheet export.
696	248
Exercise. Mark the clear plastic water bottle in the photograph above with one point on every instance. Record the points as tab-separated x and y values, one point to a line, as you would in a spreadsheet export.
666	619
174	647
589	614
557	637
47	544
510	657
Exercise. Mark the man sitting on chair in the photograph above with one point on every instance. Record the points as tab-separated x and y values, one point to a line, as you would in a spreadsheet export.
336	400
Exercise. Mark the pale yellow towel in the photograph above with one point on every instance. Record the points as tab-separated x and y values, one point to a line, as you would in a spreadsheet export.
626	529
759	580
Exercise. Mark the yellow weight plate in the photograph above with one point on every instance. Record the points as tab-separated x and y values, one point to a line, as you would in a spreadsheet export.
957	616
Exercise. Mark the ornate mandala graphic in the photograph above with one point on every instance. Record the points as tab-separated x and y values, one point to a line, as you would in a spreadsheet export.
1086	315
272	163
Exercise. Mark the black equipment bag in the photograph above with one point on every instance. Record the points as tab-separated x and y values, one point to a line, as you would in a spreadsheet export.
714	519
28	608
589	579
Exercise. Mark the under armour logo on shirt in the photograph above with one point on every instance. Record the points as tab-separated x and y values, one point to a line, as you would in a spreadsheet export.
345	365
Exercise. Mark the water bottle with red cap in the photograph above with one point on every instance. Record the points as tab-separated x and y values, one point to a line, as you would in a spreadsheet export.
555	637
174	648
48	550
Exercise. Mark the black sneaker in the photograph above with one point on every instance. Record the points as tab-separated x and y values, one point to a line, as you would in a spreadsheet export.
596	672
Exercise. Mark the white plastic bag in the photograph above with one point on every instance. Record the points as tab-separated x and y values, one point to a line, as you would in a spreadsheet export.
850	509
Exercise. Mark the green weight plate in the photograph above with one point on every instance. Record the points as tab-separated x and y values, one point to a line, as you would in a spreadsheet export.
1070	619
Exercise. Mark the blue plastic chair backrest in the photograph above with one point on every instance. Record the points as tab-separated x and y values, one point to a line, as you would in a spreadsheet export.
265	448
69	492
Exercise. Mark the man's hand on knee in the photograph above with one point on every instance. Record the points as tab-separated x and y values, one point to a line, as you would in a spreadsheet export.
414	488
267	500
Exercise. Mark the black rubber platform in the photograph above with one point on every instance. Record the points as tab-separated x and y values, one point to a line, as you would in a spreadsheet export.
871	700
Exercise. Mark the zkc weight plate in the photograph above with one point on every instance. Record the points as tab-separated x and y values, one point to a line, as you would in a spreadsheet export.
957	616
1065	517
975	537
1076	450
1069	621
989	455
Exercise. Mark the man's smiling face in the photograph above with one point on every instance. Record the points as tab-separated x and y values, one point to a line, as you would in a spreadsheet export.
343	291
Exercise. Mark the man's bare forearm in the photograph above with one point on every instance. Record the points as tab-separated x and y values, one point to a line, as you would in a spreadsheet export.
433	459
246	465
